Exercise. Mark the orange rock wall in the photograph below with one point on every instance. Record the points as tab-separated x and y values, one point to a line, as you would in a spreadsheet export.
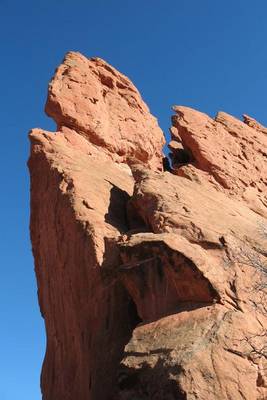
152	283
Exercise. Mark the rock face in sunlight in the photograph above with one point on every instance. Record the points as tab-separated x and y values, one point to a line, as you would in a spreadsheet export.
90	97
152	283
231	155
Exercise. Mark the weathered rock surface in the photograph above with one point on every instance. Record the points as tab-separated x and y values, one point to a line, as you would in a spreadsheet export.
92	98
152	284
76	211
195	354
205	265
225	151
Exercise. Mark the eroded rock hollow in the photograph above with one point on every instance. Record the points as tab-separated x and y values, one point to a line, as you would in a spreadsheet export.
151	274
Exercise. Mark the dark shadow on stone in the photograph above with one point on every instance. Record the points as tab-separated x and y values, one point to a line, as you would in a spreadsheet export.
135	220
166	164
119	318
133	316
180	157
143	354
147	383
117	214
163	281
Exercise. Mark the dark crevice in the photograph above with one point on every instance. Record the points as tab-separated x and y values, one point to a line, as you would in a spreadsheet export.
166	164
135	221
180	157
146	381
177	158
117	210
134	318
122	214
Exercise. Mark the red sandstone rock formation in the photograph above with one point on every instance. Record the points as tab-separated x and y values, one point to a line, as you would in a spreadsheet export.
230	154
152	284
90	97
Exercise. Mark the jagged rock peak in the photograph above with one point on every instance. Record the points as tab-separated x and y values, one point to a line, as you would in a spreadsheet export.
92	98
228	153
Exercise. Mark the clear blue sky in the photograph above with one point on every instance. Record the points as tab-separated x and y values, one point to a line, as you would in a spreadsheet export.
207	54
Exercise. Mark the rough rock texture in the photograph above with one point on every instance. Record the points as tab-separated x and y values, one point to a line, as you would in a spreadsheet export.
196	354
92	98
76	212
152	284
205	265
230	154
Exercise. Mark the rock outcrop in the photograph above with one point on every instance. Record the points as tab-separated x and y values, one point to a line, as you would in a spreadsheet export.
90	97
228	153
152	283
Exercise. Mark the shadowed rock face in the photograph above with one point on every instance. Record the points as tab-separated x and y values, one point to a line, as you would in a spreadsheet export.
152	284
